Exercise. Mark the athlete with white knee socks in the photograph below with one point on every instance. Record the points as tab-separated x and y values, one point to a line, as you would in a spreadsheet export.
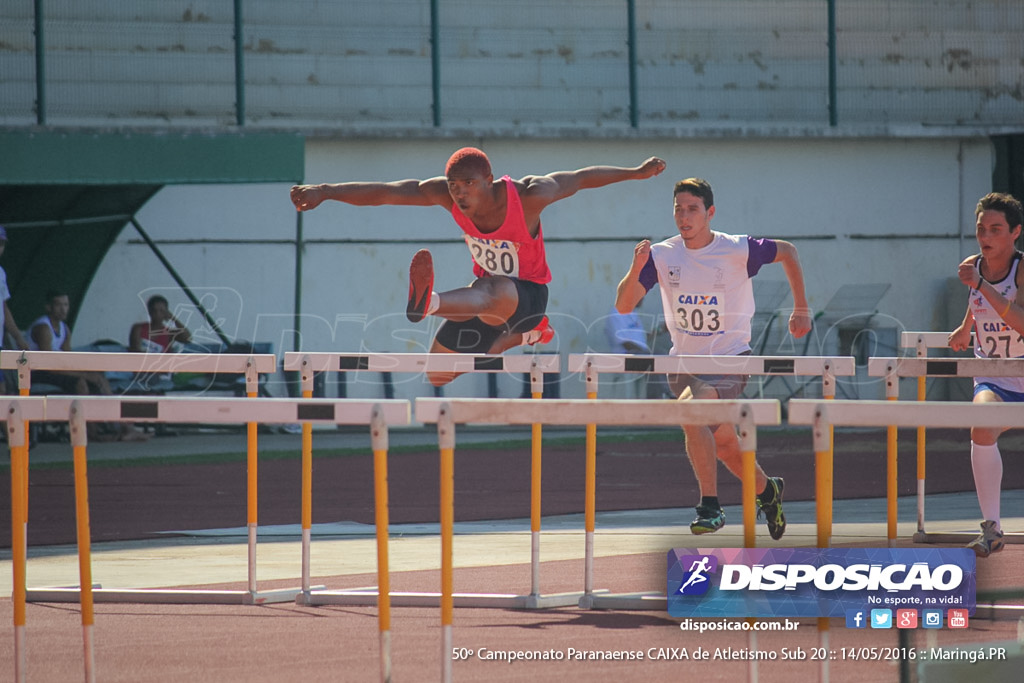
995	310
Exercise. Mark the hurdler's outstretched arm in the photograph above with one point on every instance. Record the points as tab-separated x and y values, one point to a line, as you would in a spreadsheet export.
431	192
540	191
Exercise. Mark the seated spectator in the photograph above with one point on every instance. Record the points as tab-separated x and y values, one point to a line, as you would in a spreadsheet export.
160	332
50	332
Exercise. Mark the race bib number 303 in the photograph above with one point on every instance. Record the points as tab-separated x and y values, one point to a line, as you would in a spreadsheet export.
699	314
497	257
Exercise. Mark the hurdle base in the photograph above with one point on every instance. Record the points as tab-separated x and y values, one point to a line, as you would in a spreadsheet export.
625	601
368	598
997	612
964	537
164	596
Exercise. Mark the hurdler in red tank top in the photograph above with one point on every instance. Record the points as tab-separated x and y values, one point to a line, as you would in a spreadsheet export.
509	250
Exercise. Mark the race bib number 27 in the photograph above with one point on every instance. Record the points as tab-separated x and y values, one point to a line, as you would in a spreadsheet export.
497	257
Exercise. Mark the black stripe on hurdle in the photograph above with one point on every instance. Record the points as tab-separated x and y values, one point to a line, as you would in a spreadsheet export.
639	364
779	366
139	409
491	363
315	411
354	363
941	367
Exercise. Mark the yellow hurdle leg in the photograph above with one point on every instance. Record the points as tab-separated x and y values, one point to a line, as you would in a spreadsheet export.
749	496
379	437
307	497
78	441
590	503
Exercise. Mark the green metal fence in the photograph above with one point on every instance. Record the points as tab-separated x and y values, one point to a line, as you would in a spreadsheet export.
575	64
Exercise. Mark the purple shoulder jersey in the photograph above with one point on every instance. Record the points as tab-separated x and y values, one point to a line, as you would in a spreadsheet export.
760	252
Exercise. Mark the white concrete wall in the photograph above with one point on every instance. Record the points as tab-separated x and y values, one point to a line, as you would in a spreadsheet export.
354	293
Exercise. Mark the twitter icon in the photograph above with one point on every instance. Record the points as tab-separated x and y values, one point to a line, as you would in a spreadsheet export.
881	618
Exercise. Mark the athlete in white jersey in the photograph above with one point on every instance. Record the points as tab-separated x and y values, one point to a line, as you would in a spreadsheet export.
709	301
995	311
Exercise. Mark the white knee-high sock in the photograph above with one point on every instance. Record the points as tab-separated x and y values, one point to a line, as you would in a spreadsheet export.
434	304
987	464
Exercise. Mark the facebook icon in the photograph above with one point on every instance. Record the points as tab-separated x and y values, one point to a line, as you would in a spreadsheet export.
856	618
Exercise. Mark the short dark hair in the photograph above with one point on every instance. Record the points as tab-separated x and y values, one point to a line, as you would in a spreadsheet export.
52	294
154	300
1006	204
468	159
698	187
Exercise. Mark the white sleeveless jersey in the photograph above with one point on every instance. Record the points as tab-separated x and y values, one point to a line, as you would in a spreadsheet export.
707	295
58	337
993	337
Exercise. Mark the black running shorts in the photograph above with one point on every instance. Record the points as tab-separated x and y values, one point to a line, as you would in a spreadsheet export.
475	336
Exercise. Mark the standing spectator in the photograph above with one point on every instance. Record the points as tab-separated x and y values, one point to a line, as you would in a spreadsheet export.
7	323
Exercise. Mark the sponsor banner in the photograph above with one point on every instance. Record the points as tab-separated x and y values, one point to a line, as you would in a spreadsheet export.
817	582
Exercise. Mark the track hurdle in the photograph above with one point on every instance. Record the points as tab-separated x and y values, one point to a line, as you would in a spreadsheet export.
536	365
78	410
922	367
448	412
209	411
593	364
883	413
921	342
249	365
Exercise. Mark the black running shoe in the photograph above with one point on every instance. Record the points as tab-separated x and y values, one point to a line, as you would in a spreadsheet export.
990	541
708	520
772	509
421	284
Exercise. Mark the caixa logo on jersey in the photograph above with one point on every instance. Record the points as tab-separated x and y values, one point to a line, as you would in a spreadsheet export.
816	582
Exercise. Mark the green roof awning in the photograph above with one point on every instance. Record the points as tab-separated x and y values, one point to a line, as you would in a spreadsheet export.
65	196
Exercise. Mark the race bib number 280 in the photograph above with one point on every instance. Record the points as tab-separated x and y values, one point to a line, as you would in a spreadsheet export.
497	257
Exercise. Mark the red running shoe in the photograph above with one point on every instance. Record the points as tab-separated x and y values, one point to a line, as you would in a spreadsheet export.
421	285
547	333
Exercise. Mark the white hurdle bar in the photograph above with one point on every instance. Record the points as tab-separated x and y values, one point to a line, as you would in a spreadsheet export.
24	362
944	414
421	362
82	409
249	365
536	365
448	412
922	367
828	368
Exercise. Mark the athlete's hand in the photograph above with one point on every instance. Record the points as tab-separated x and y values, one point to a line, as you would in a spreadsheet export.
960	338
968	273
800	322
306	197
652	167
641	252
